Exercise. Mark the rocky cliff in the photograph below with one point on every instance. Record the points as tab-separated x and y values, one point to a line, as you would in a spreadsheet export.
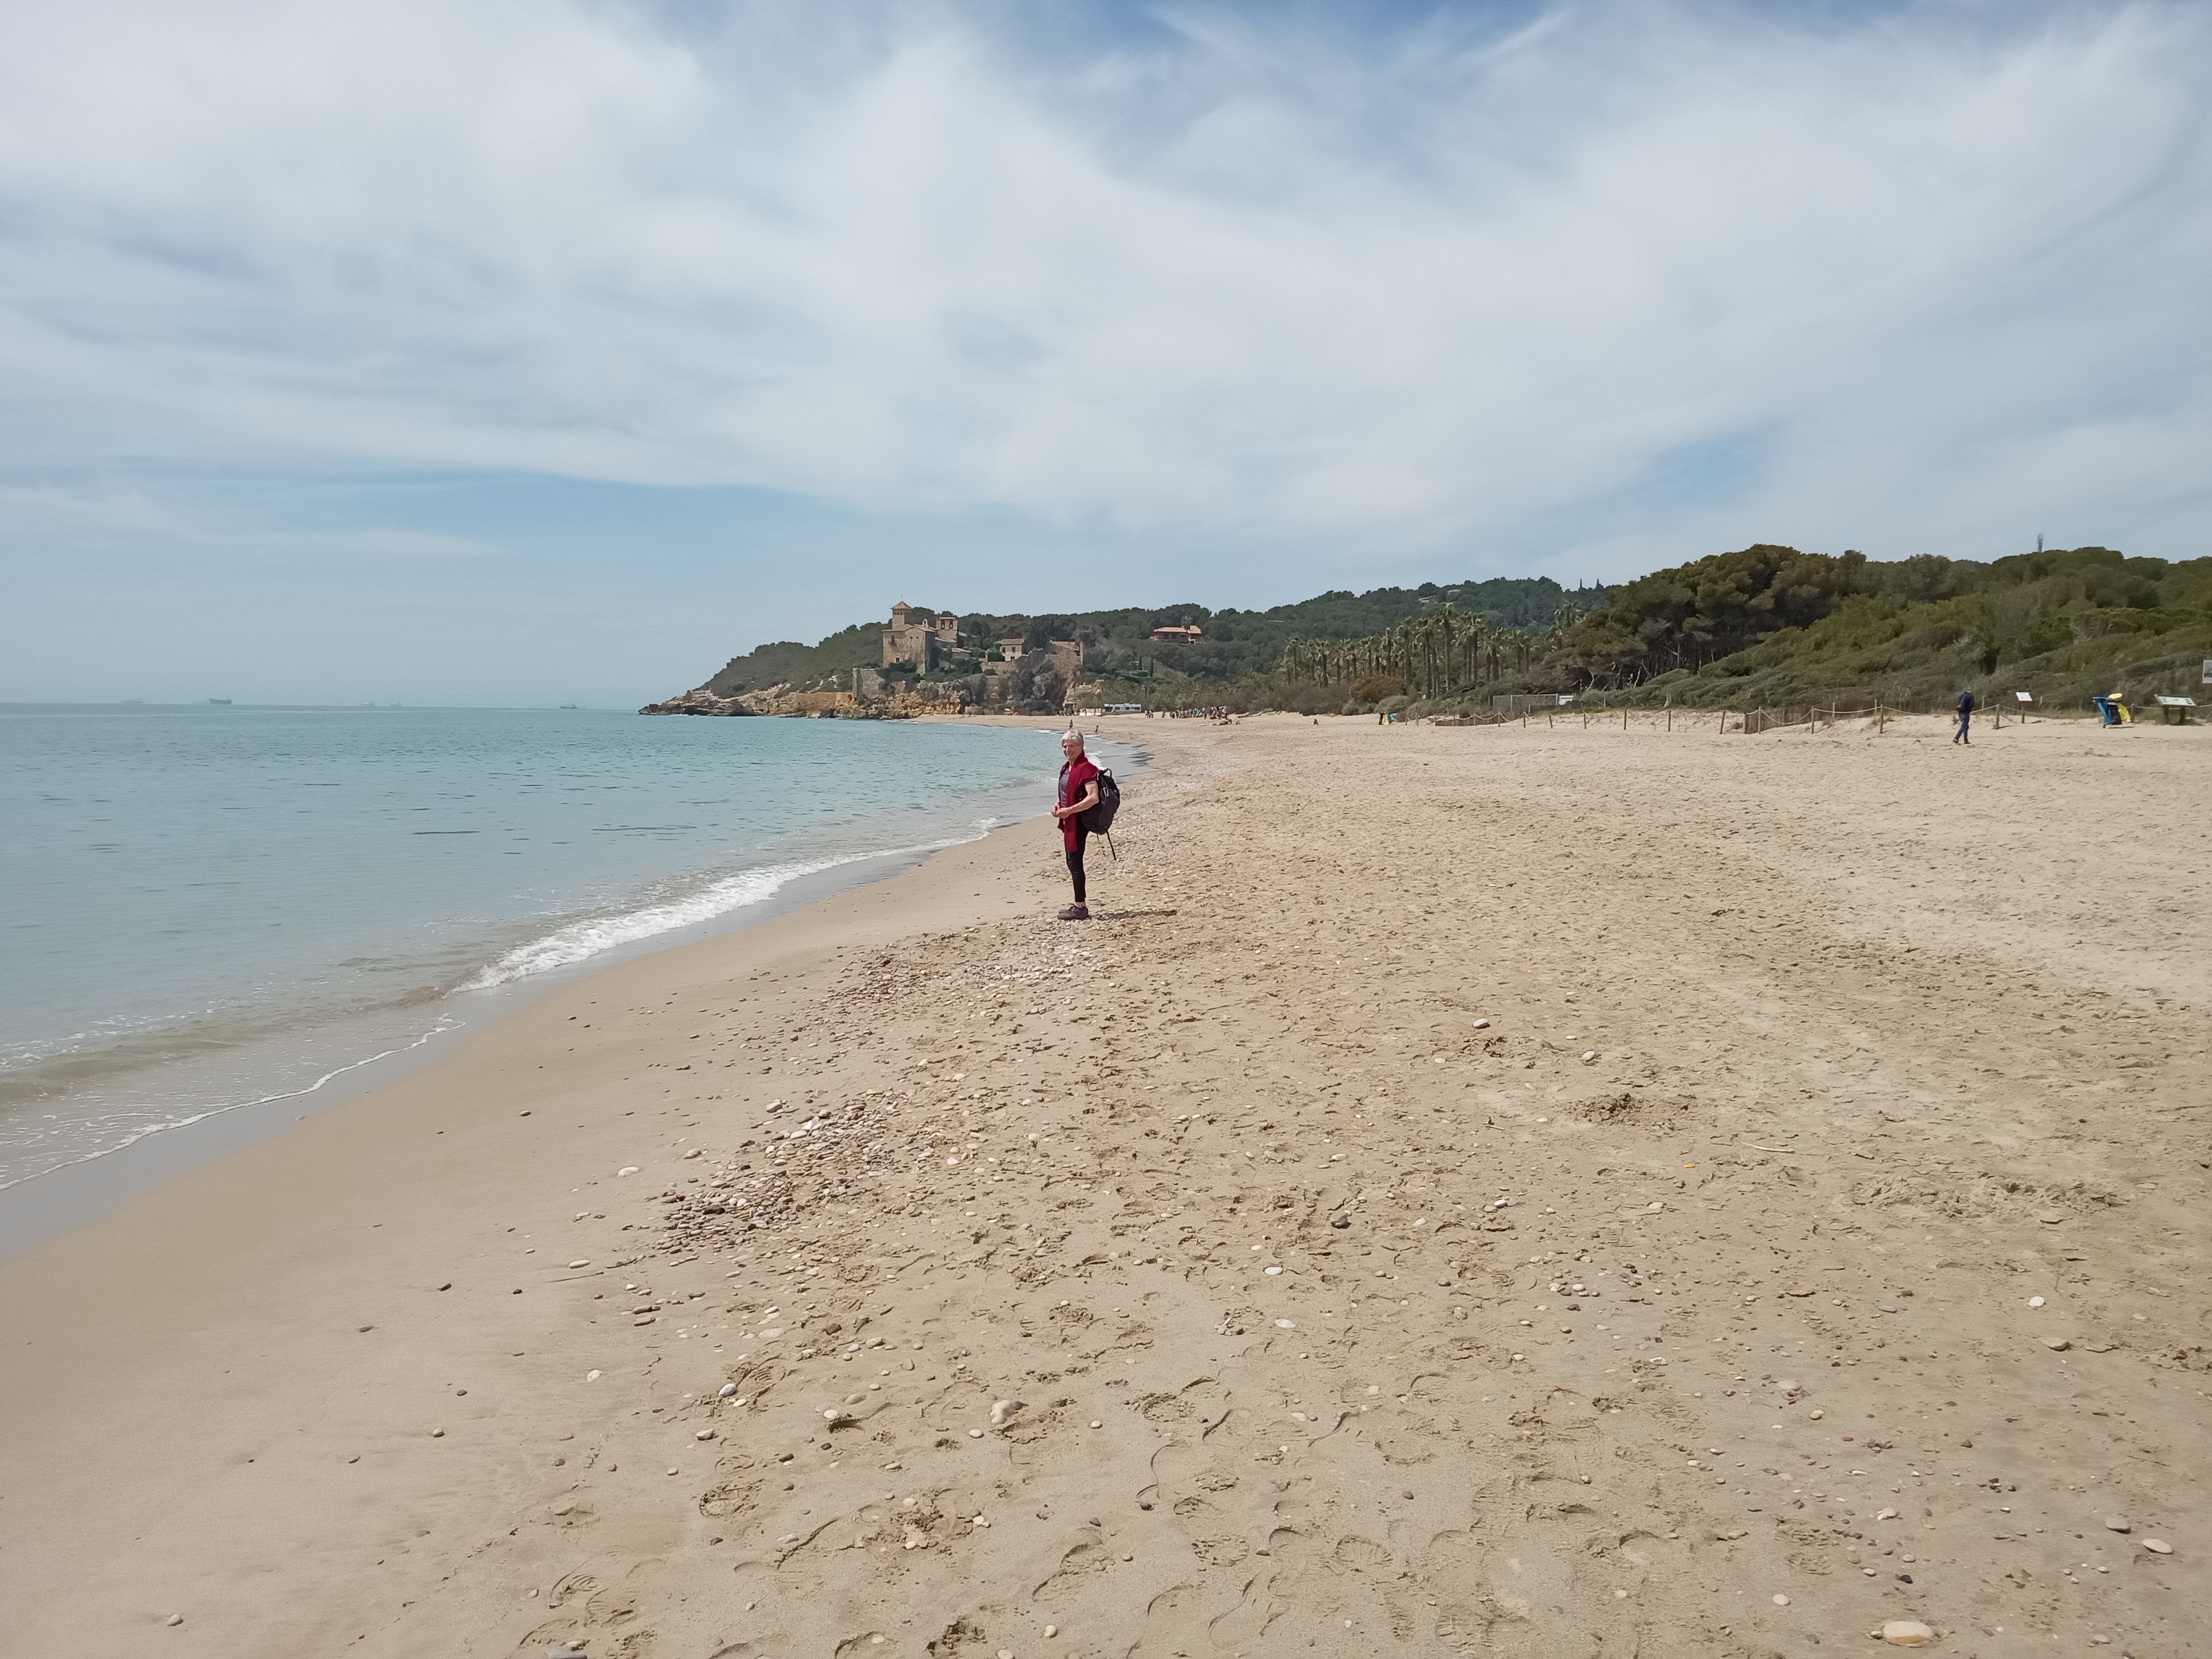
699	700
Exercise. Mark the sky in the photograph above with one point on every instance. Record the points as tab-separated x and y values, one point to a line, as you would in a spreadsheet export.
525	351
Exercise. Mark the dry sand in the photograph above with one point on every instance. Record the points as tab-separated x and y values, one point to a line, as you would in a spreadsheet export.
1700	1276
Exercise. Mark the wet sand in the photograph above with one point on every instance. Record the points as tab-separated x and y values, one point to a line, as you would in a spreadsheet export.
1318	1314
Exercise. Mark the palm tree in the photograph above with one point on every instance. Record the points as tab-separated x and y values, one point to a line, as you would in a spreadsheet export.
1565	616
1434	653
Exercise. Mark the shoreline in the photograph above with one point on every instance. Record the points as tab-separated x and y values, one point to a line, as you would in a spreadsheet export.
201	1248
59	1201
47	1203
1366	1226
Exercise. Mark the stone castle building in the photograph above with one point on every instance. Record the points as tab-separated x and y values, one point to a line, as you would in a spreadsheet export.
917	637
928	642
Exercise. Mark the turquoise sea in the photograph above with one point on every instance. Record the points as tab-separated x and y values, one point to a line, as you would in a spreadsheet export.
211	908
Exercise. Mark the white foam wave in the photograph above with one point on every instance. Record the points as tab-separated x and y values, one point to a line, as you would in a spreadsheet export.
132	1133
566	946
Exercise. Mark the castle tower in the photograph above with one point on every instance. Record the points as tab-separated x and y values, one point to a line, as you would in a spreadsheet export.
912	637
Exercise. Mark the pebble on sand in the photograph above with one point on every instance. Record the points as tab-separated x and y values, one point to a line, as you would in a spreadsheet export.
727	1389
2158	1547
627	1169
1590	1056
1482	1025
1339	1219
2035	1301
1781	1601
1904	1633
975	1434
581	1261
2118	1523
2056	1344
176	1618
1002	1411
704	1434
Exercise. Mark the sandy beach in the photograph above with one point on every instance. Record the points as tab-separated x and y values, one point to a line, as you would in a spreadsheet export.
1545	1189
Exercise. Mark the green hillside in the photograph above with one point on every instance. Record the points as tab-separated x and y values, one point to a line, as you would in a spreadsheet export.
1763	626
1119	643
786	662
1769	625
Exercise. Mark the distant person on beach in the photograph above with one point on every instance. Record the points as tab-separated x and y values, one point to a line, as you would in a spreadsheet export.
1078	795
1965	717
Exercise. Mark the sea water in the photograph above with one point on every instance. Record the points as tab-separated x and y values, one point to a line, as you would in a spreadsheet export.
207	909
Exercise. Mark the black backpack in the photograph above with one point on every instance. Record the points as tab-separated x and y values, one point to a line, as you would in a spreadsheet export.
1100	818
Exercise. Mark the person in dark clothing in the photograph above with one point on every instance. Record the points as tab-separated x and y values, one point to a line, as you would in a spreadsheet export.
1966	716
1078	795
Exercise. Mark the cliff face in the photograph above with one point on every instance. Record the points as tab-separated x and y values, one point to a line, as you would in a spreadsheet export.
698	700
780	700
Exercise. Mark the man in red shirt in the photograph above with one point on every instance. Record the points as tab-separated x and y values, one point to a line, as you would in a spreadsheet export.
1078	795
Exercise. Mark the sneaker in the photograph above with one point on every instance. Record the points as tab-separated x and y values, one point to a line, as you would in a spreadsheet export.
1076	913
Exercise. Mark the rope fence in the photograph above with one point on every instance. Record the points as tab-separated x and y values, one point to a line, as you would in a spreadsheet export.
1815	716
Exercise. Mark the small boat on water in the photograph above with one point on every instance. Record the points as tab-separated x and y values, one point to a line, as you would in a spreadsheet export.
568	705
220	702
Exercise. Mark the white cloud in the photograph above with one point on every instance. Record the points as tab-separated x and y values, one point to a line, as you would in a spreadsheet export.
1922	270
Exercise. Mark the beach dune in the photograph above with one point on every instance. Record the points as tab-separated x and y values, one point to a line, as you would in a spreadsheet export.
1545	1189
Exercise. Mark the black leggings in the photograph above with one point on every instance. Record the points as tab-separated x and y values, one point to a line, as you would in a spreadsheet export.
1075	861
